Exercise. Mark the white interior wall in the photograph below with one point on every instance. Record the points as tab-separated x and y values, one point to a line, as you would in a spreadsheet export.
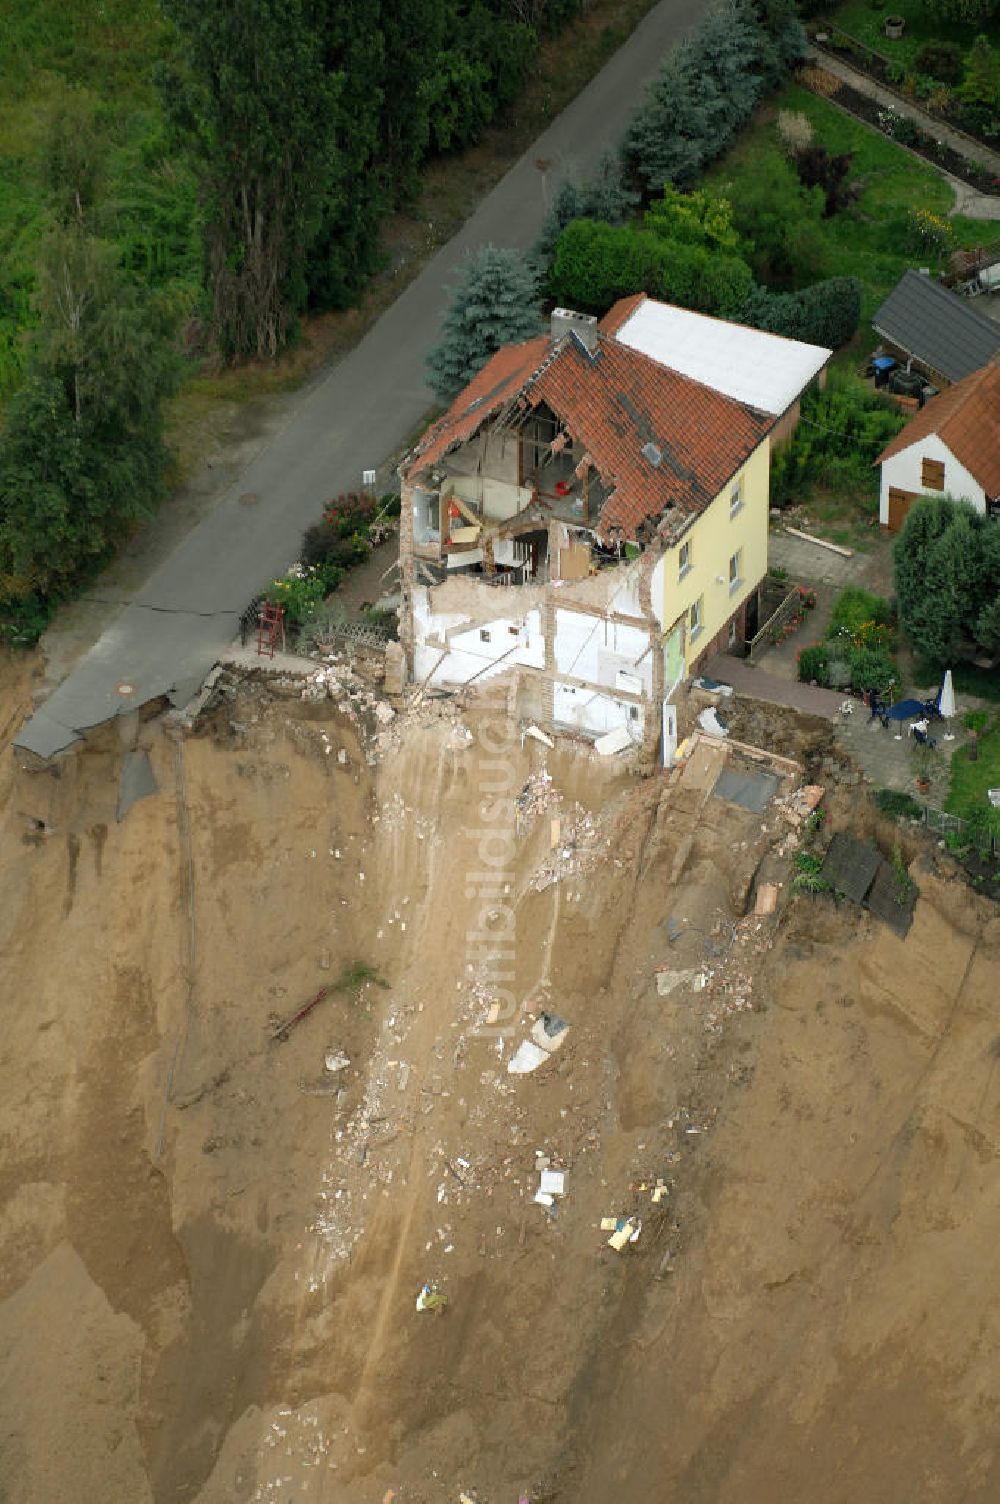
595	649
590	711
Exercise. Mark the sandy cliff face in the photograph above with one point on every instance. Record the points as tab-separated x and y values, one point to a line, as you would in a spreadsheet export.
212	1247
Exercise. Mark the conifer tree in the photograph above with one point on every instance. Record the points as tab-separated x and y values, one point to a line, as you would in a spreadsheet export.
495	302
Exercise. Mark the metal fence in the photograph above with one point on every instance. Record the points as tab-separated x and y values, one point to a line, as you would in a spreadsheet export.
939	821
767	634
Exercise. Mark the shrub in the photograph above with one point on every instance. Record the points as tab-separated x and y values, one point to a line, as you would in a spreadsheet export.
871	668
302	591
825	314
926	231
898	806
597	263
941	60
814	664
843	429
854	608
818	169
768	201
795	130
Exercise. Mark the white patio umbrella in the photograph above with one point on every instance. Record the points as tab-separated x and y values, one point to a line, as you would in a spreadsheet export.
946	704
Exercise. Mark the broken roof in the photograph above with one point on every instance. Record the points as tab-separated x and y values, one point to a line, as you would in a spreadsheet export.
767	371
937	327
657	439
967	419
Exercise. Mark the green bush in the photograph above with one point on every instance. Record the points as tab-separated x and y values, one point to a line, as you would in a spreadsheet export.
976	720
896	805
595	264
855	607
842	430
871	668
303	590
941	60
814	663
825	314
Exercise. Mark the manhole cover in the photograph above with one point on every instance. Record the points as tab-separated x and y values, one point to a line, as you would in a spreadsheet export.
124	689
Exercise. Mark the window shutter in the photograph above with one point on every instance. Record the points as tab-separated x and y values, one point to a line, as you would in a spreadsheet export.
932	475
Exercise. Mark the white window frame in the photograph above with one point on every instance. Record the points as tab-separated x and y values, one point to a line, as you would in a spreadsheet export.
684	560
736	498
696	619
735	571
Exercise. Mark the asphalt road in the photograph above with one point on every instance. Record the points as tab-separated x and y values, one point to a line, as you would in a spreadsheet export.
168	637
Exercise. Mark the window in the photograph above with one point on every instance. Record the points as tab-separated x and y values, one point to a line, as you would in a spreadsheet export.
684	561
932	475
484	634
736	571
694	619
633	712
736	498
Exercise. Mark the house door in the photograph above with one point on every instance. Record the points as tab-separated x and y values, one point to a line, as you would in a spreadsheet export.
899	504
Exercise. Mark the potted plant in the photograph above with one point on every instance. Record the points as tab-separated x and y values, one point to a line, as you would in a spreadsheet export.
894	26
925	761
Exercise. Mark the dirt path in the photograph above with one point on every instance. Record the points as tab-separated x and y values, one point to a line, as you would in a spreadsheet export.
225	1288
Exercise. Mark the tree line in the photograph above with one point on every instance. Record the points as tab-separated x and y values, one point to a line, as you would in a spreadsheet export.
304	123
309	120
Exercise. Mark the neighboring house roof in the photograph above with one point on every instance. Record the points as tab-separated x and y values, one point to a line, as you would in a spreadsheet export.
657	439
967	419
937	327
765	370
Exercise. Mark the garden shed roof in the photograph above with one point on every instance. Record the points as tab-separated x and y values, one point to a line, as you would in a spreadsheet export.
766	371
967	419
941	330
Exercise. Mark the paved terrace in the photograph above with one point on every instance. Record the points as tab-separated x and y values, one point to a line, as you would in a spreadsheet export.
166	638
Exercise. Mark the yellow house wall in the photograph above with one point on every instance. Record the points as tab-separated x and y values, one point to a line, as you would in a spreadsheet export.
714	538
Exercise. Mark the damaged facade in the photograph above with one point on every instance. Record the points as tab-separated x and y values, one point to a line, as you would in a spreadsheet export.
590	519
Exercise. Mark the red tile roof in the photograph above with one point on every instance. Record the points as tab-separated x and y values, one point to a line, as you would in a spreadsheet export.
614	402
619	312
966	418
501	378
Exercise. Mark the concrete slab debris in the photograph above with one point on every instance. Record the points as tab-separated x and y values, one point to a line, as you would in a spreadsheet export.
850	866
752	791
613	741
767	898
137	781
668	981
526	1058
708	720
538	735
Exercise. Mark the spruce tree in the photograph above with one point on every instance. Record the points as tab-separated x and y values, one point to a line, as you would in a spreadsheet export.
494	303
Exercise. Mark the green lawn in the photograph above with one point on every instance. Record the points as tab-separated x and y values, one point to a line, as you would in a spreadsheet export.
869	239
970	780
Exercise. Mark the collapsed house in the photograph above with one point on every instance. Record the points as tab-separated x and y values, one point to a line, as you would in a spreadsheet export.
594	520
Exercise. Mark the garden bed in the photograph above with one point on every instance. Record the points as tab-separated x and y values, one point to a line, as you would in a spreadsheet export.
884	71
905	132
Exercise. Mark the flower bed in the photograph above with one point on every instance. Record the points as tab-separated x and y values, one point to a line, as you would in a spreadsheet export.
907	132
938	101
